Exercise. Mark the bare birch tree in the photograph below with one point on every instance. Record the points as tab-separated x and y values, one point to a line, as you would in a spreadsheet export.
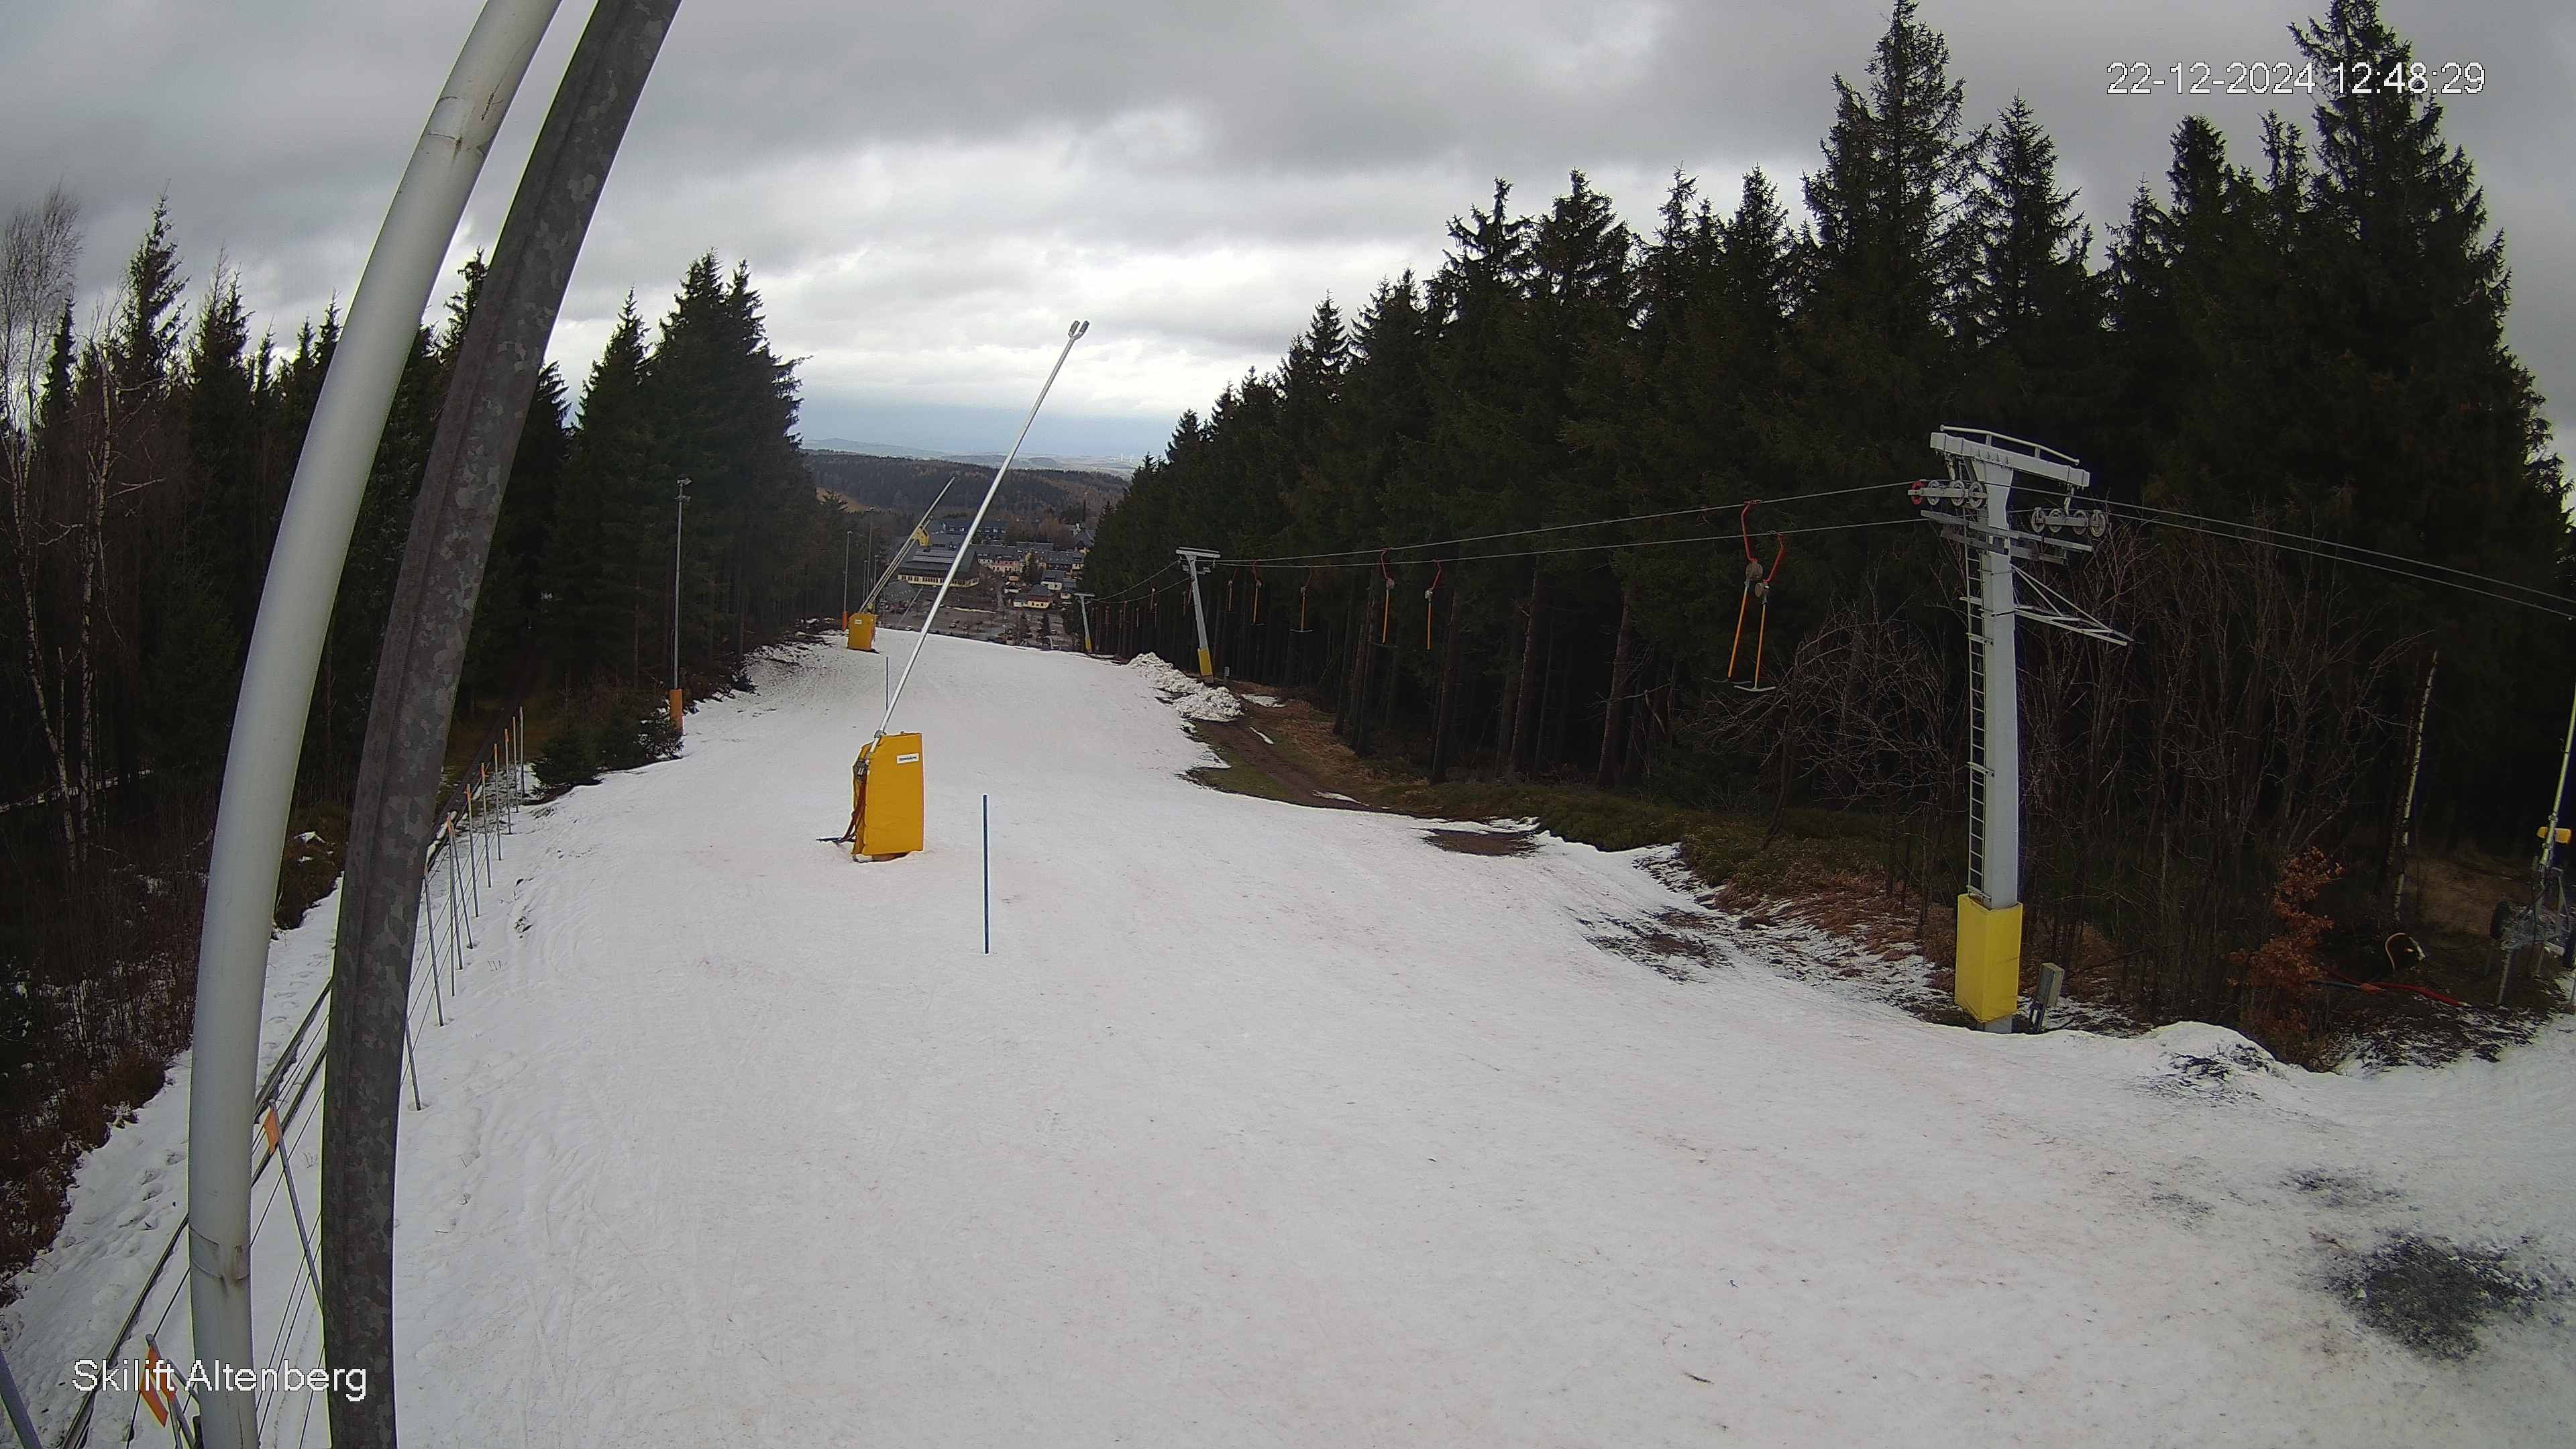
39	251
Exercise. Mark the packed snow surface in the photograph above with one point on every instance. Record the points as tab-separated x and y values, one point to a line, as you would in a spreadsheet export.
1272	1125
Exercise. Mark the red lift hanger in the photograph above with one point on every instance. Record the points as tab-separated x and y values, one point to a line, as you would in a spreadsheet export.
1757	582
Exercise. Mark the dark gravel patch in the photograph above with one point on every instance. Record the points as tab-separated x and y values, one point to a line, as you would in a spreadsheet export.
2220	1076
2435	1297
2341	1190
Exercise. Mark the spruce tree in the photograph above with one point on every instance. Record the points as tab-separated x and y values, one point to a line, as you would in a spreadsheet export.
1310	384
2434	445
2033	310
460	305
1674	266
608	603
229	529
1883	272
1891	244
54	411
1364	475
514	594
2174	279
725	410
148	321
347	679
1757	264
2031	247
2412	316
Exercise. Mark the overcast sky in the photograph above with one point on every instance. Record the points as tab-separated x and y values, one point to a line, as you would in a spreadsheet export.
927	194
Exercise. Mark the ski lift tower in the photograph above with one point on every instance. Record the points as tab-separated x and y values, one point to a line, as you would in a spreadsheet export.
1195	558
1974	506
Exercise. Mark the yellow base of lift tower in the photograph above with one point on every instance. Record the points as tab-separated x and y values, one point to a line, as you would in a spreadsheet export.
1989	974
885	798
863	631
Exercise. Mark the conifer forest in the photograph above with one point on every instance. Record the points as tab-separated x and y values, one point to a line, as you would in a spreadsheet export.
1623	504
147	459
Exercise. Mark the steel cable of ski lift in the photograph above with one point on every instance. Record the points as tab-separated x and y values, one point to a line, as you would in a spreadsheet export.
2139	510
1137	587
1562	527
1371	562
2554	605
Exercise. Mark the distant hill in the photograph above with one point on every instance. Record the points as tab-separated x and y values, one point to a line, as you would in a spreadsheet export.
906	485
1121	468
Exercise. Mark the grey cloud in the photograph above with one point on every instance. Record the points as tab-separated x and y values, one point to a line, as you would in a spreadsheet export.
924	192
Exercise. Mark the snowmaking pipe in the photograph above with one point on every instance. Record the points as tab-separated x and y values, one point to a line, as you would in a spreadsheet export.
1072	335
277	679
492	378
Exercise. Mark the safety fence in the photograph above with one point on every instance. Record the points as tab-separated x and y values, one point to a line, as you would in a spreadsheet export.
461	865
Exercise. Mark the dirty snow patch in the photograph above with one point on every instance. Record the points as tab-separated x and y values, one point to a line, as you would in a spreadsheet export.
1194	700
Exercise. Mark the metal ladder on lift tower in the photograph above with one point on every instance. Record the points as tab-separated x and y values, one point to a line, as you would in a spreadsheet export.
1978	775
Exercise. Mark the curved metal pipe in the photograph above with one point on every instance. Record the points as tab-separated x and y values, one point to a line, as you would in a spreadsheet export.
277	680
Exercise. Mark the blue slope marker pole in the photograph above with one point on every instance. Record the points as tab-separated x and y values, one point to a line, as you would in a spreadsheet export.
988	875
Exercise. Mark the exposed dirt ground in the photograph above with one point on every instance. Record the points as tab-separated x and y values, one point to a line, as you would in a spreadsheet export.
1284	748
1483	842
1256	764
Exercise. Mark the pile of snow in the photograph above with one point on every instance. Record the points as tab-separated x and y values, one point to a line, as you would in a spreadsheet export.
1194	699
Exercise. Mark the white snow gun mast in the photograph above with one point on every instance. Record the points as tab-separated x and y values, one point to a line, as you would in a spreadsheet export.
885	780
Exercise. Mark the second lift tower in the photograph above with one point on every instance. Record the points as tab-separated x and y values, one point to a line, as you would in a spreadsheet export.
1974	507
1198	610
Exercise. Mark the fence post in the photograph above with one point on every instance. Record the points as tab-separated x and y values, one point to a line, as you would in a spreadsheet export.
19	1419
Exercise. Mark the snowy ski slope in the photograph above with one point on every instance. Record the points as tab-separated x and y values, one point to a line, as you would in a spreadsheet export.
1268	1125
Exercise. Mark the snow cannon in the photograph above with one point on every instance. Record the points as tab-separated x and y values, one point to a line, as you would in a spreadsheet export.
1989	973
885	798
863	630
